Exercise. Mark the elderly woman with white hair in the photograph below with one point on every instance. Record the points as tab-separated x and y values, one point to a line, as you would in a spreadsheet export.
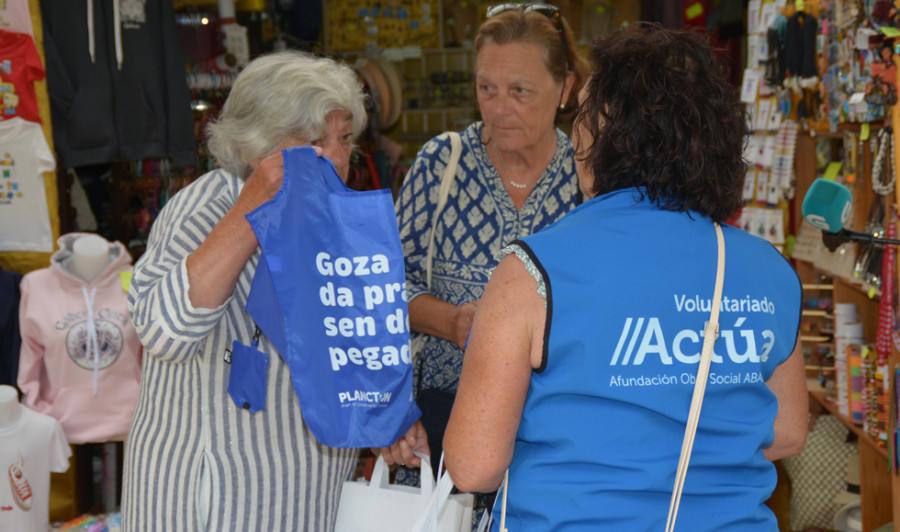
194	459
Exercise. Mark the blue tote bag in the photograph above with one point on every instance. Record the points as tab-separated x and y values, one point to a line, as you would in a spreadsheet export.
330	294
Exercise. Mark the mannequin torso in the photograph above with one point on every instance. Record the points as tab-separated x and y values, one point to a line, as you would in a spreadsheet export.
10	409
90	255
80	358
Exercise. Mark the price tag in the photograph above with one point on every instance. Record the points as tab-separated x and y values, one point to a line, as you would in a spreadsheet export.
125	280
832	170
693	11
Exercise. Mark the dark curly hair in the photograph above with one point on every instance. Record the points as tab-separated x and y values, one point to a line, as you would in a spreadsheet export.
658	113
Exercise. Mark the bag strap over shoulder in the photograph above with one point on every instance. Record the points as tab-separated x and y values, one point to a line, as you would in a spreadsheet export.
710	333
446	180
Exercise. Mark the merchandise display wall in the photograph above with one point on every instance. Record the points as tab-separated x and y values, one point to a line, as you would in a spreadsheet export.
843	112
25	261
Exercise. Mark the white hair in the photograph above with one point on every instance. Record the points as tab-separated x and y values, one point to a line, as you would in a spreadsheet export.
279	96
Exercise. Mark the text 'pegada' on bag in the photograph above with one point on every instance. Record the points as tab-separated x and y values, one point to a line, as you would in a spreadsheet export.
329	292
378	506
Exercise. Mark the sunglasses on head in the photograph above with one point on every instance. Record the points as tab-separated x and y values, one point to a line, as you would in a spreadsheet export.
551	12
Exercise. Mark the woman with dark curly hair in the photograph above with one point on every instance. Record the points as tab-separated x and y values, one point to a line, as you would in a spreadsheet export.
580	369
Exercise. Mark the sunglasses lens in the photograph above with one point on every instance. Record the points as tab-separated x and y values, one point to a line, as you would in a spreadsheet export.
544	9
500	8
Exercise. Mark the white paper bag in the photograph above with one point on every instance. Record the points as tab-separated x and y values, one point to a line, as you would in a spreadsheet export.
379	506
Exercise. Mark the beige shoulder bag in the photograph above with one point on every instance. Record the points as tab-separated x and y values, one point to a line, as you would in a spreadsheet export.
447	178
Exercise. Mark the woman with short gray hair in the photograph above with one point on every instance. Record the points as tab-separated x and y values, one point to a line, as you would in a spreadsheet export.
280	96
194	460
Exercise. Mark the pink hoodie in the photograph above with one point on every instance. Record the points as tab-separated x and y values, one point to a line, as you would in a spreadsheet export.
88	382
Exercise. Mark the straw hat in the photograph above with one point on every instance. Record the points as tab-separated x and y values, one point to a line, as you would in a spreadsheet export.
378	87
849	518
383	79
851	490
365	69
392	74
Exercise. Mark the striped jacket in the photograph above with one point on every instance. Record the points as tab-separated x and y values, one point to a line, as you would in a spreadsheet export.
193	459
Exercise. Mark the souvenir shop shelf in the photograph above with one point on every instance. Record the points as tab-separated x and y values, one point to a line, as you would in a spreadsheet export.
820	397
880	488
438	96
817	321
817	331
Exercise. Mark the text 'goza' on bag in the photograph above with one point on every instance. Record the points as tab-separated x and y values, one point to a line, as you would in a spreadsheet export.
329	292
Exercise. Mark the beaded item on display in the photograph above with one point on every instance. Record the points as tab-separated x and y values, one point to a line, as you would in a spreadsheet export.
885	138
886	304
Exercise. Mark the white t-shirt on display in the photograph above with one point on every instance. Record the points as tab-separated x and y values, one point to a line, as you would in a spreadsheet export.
24	216
30	449
15	16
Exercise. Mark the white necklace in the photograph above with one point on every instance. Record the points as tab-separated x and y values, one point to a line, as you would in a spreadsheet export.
884	139
500	166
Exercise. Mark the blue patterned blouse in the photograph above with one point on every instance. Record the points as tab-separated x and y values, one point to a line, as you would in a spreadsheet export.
477	222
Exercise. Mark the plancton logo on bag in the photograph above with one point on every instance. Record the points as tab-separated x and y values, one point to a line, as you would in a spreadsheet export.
333	295
369	398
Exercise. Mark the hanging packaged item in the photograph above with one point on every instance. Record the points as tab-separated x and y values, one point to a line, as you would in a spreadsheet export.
330	294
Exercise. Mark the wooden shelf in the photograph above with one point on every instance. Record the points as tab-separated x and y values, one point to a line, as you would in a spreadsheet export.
818	286
879	488
862	287
820	313
819	397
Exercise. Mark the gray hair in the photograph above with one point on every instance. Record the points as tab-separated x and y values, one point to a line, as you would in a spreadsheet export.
279	96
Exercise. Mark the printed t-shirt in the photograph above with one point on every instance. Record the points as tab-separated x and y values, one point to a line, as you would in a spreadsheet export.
15	16
20	67
24	216
30	449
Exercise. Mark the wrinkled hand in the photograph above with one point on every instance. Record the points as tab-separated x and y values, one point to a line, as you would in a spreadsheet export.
401	452
462	322
265	181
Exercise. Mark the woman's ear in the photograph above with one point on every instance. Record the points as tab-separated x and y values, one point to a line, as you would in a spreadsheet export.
567	88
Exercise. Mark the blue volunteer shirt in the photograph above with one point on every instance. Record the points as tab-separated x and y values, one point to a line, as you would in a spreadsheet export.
629	288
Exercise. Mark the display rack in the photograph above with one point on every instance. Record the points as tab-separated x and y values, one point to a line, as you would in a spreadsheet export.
444	101
879	487
817	330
